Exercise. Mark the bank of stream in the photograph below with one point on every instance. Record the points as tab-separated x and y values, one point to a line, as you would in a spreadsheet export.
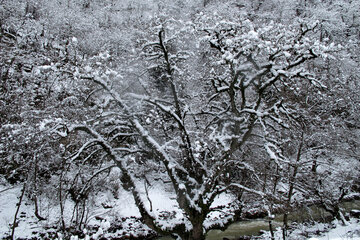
254	227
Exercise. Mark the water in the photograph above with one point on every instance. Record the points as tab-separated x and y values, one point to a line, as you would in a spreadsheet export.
253	227
243	228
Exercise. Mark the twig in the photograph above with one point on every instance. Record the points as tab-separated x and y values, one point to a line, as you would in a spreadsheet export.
4	190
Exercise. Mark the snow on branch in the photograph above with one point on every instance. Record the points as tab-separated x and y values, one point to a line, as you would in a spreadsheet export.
242	187
84	147
166	109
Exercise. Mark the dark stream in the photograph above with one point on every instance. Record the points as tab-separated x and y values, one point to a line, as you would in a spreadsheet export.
254	226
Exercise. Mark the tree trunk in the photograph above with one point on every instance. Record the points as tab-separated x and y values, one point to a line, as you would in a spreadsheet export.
197	232
271	230
285	227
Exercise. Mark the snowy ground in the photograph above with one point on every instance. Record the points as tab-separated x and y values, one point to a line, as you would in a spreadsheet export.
321	231
341	232
120	213
124	212
8	202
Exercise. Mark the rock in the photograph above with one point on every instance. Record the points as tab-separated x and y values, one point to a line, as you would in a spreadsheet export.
355	213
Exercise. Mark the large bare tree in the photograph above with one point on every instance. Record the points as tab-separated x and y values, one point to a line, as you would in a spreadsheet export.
209	115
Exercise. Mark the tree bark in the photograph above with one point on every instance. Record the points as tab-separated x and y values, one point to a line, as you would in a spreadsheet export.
197	232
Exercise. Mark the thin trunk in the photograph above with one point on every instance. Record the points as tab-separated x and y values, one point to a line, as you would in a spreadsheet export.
61	200
14	225
38	216
147	184
314	165
291	187
271	230
35	199
82	214
285	227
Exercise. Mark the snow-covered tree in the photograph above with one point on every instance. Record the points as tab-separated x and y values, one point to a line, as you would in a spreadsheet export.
214	94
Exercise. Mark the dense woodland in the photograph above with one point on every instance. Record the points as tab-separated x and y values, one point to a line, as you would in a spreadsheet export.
255	100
